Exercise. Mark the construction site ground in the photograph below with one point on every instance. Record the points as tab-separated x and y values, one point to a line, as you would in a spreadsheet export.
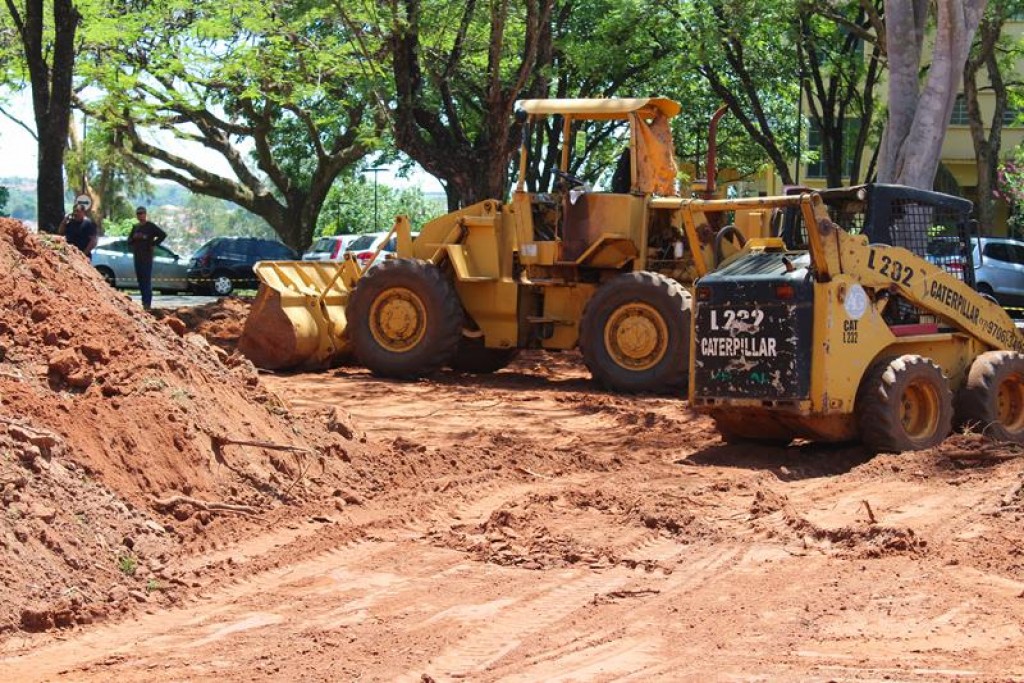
170	514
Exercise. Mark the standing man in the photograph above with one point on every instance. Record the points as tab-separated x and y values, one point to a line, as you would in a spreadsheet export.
79	230
145	235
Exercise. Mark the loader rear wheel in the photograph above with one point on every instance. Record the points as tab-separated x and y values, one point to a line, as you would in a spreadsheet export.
904	404
472	356
635	334
993	398
404	319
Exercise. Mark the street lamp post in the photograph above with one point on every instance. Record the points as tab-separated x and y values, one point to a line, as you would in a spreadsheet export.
375	171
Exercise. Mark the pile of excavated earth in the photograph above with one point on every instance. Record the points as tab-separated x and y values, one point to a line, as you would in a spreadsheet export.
127	442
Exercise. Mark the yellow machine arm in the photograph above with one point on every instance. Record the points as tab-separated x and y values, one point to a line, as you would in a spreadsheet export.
930	287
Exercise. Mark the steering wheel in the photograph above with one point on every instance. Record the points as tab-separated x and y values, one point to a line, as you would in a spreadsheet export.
569	178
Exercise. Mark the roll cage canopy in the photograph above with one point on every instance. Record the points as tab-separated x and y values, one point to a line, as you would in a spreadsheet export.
652	167
602	108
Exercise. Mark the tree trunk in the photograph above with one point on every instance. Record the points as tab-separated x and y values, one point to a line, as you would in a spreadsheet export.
51	96
986	149
912	142
430	117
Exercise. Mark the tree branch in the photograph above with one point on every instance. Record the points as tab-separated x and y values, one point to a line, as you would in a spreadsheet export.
10	117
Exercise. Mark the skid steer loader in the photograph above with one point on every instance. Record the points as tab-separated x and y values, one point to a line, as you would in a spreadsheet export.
842	329
552	270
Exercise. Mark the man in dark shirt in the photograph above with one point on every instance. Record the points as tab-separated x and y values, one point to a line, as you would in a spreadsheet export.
79	230
144	237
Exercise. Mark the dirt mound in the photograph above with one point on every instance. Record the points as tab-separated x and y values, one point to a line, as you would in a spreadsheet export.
220	322
125	441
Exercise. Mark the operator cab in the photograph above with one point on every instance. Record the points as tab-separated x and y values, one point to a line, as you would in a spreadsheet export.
623	145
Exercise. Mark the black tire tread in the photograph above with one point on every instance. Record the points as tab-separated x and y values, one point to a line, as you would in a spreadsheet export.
878	405
671	375
435	289
976	401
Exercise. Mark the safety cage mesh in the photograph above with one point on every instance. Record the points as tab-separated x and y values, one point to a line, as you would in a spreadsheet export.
934	226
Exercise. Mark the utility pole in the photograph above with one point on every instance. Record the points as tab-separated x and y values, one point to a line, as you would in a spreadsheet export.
375	171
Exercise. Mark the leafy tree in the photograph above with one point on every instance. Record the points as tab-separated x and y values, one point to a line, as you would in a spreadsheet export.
581	65
47	35
840	77
4	196
270	90
105	172
1010	188
734	45
454	72
997	56
912	144
354	206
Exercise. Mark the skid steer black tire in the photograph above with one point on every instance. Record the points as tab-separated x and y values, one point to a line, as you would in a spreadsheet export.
992	400
903	404
404	319
473	357
635	334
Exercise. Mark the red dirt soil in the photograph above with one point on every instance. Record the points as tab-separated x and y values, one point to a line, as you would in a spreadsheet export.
113	428
521	526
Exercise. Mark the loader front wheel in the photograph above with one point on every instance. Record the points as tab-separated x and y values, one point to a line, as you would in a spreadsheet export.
635	334
904	404
993	398
404	319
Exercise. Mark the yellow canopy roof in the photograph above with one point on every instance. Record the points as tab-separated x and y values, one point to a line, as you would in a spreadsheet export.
605	108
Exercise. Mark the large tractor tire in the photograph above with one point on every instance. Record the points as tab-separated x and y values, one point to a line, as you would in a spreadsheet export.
404	319
904	404
993	398
473	357
635	334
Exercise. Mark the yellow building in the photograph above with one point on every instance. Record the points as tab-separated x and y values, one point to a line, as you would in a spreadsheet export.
957	149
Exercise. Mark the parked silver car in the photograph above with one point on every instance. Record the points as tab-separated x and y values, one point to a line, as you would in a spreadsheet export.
1000	269
113	258
998	264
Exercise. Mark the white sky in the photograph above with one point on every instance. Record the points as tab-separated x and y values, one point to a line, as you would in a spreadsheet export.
18	151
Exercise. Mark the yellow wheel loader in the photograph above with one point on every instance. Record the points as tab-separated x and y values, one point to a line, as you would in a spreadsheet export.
600	270
843	328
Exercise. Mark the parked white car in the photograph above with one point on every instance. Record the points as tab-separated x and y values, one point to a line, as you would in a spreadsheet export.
330	248
364	248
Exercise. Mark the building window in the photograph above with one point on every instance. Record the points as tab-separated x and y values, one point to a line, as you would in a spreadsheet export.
816	169
959	115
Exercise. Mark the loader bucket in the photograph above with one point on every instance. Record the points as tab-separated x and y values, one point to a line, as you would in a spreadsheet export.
298	317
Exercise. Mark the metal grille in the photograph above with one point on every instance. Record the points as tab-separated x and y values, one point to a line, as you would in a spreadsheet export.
934	226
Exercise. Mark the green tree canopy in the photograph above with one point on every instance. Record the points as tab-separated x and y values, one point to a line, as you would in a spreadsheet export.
274	92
